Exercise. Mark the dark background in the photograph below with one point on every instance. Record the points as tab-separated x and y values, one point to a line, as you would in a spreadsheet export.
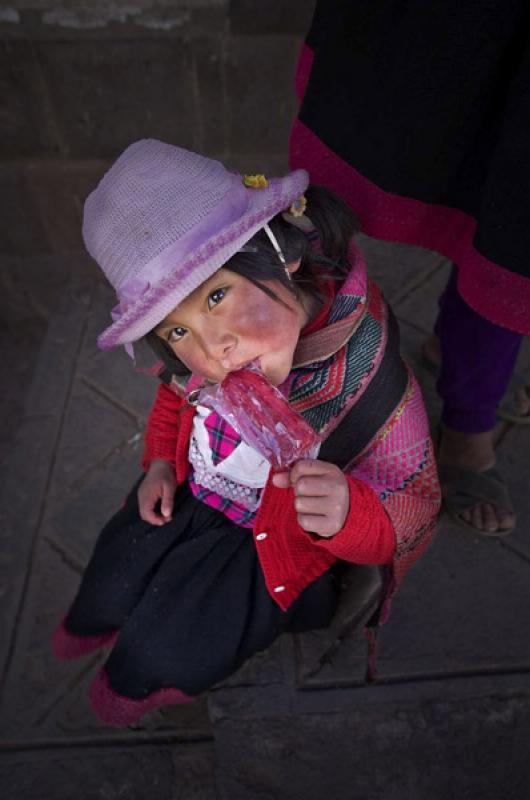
450	715
81	81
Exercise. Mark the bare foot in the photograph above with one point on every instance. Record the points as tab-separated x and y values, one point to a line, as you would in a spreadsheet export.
474	451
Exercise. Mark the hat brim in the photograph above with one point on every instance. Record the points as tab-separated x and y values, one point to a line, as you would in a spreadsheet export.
142	315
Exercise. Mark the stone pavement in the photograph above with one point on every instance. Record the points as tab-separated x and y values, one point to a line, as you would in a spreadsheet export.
454	659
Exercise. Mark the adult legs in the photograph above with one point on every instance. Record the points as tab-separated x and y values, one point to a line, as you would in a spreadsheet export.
477	359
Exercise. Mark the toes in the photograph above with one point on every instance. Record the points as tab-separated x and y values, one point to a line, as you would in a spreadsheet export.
506	520
489	518
476	518
472	516
485	517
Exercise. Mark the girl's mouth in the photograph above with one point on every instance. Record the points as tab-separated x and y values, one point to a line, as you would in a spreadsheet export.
254	364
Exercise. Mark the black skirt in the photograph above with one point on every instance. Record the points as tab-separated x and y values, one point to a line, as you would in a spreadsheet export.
188	600
418	114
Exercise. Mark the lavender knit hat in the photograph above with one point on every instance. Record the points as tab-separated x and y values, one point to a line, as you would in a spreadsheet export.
163	220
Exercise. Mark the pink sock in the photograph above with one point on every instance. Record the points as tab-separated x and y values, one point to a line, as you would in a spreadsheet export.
68	645
117	710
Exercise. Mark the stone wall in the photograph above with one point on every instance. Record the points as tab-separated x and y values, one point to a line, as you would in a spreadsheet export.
80	81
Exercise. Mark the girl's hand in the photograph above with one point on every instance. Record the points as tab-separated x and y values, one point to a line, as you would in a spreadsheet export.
322	496
159	484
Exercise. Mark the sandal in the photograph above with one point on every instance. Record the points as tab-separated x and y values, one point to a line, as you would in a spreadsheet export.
462	488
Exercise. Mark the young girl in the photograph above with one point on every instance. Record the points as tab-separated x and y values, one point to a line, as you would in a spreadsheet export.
212	557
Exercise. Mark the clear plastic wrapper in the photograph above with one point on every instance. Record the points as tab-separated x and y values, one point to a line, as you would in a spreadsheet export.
262	417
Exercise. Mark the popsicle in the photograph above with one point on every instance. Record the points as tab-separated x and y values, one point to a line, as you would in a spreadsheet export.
262	417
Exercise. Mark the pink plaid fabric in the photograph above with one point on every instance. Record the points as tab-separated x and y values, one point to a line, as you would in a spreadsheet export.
237	512
223	440
222	437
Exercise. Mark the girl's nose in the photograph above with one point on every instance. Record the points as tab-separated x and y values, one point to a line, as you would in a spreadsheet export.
228	358
222	348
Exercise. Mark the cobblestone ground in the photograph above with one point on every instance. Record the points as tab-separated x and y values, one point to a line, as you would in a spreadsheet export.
73	420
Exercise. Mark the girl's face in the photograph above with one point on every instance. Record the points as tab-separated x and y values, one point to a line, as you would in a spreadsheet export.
228	322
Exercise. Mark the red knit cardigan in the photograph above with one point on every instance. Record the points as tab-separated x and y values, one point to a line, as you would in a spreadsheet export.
290	557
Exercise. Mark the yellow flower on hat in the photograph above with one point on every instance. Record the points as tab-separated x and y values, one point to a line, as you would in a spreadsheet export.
255	181
297	208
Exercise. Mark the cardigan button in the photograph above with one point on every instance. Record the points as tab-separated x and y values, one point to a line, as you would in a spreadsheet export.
279	588
261	536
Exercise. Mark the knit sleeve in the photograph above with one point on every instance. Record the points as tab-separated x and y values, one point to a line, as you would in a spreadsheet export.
162	427
367	536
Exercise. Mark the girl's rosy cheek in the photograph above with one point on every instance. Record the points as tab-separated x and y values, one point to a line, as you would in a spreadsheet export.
197	365
190	360
253	318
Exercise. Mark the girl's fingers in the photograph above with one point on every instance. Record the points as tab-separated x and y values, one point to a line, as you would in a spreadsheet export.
307	486
147	501
312	505
282	480
314	486
308	475
317	524
151	516
166	505
311	466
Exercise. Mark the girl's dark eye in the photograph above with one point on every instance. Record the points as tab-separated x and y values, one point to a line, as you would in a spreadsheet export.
215	297
176	334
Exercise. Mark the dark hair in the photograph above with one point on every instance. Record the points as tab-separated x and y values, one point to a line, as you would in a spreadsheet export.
335	225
